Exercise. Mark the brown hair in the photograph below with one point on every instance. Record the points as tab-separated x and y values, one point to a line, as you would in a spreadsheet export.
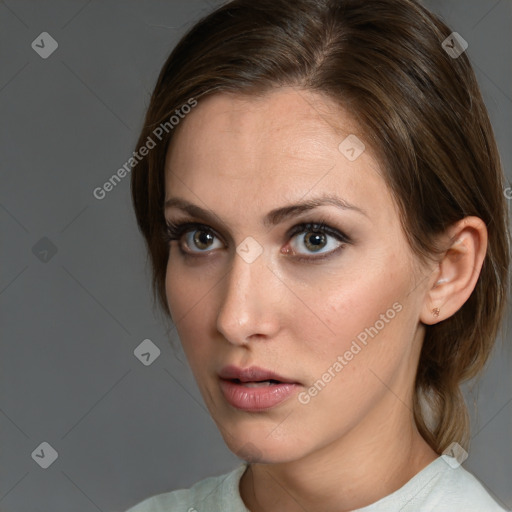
419	108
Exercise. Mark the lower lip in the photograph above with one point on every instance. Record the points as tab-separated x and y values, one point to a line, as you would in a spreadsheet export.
255	399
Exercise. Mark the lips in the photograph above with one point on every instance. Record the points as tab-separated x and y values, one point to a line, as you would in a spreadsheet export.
252	374
255	389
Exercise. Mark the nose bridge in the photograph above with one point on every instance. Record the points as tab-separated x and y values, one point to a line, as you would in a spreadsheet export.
244	309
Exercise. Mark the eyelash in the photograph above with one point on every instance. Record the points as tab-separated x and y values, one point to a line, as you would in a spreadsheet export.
175	230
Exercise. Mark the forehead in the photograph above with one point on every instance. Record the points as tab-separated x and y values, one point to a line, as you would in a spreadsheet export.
290	122
269	149
278	108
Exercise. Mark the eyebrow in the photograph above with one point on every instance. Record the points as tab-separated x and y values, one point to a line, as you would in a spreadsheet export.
273	217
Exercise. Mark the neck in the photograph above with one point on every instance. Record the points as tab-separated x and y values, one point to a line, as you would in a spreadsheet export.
352	472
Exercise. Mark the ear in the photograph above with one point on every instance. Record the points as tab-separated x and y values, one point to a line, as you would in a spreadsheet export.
456	274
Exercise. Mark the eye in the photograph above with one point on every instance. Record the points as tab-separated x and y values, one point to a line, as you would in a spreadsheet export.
195	235
315	238
198	238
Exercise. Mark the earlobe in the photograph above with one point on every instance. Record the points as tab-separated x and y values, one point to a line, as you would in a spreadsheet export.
457	272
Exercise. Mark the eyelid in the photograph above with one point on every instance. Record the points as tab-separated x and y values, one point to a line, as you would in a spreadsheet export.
188	224
321	227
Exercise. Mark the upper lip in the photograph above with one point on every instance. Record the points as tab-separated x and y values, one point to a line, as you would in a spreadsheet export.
251	374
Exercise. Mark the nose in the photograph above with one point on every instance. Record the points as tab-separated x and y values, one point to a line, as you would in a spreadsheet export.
247	310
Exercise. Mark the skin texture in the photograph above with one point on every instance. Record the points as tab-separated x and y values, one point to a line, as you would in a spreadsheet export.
355	441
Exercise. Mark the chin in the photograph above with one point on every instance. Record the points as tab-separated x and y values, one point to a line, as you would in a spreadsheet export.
258	447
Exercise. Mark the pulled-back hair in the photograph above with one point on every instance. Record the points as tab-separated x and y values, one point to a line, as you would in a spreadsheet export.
419	108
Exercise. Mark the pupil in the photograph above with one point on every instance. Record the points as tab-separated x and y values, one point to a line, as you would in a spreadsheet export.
202	238
315	240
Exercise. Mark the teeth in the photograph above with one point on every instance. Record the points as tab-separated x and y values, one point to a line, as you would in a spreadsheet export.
257	384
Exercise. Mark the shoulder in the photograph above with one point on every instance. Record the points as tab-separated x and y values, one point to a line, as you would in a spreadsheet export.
442	486
215	494
458	487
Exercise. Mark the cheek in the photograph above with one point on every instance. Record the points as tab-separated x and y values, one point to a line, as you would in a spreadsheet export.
187	287
363	348
175	291
186	297
365	309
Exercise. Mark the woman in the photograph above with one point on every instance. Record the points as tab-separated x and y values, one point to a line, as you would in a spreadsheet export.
321	197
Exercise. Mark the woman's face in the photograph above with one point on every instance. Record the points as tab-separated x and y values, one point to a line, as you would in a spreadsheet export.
335	317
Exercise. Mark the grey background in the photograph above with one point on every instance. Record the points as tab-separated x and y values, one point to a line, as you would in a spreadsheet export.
71	319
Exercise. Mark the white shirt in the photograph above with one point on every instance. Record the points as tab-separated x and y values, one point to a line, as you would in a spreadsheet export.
442	486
